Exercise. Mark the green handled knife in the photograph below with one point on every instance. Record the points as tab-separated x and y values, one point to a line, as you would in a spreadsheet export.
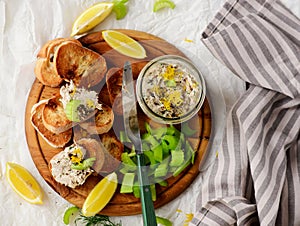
132	130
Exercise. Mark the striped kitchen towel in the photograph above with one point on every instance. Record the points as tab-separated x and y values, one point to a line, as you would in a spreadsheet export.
255	179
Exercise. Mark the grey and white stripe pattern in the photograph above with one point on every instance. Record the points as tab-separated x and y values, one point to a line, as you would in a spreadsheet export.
255	179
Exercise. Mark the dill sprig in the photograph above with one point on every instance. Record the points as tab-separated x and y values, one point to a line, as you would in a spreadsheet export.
97	220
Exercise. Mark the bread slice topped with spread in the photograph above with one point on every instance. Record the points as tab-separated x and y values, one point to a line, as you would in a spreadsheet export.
75	117
72	166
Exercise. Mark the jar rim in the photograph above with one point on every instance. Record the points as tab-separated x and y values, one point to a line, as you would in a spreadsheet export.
191	68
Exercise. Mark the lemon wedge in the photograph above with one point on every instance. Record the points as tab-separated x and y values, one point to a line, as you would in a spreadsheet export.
100	195
124	44
23	183
91	17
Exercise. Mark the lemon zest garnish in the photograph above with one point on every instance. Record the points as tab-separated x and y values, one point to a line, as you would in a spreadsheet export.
73	92
169	73
179	211
189	217
188	40
77	155
90	103
166	103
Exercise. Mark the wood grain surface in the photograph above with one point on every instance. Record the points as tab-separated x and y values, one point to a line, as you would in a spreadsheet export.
120	204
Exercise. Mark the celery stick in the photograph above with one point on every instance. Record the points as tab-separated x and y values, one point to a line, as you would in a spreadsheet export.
187	130
165	148
153	192
161	170
177	157
127	183
171	140
181	168
151	141
189	151
158	153
127	160
163	221
171	130
161	182
158	133
136	189
148	128
150	156
127	168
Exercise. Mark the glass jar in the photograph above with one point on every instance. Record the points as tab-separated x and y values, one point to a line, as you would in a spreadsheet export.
170	89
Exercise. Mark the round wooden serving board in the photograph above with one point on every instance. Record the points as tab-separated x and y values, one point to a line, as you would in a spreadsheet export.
120	204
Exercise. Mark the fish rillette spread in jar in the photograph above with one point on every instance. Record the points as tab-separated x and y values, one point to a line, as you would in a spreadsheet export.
170	89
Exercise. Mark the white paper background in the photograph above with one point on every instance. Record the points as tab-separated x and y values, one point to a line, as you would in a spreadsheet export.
25	25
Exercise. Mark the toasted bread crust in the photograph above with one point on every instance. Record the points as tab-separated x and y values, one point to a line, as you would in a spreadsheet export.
114	149
85	67
114	78
55	44
55	140
46	74
54	117
101	123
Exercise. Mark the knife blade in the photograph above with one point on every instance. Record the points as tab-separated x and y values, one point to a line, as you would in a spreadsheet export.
132	130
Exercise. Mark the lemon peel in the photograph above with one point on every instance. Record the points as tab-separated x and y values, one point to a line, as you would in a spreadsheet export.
23	183
91	17
124	44
100	195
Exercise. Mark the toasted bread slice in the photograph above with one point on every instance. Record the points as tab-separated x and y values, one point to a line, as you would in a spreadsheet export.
101	123
52	47
54	116
46	73
73	62
48	47
44	69
55	140
114	149
94	149
114	81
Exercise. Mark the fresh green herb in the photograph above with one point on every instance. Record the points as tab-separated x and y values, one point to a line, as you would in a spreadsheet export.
97	220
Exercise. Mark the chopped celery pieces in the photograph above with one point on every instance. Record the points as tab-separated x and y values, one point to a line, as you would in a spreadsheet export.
161	170
163	221
177	157
167	153
127	183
